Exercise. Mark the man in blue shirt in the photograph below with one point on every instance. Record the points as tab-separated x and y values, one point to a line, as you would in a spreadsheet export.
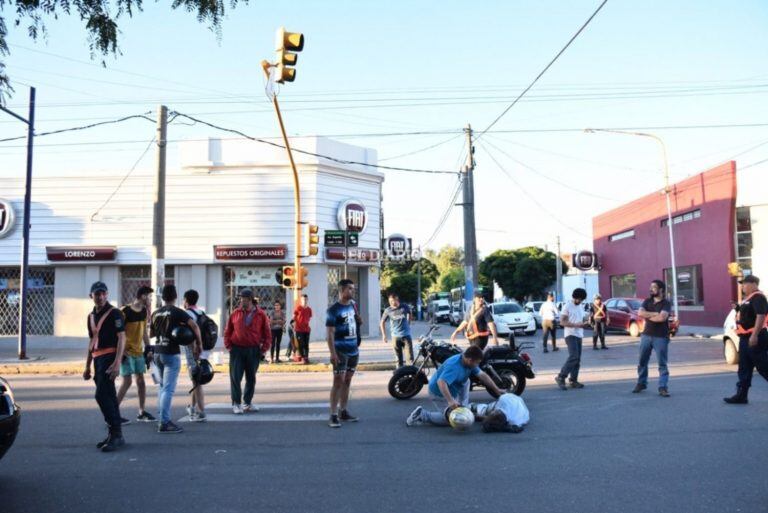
341	328
399	316
449	387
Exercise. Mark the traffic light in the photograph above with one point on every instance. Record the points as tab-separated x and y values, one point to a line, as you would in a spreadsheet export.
734	269
303	280
286	46
289	278
279	276
310	239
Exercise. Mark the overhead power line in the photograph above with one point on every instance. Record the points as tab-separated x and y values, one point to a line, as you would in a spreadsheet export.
421	150
85	127
532	197
447	212
554	59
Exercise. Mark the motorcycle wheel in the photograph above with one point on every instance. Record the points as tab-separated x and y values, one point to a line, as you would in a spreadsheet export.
405	385
512	382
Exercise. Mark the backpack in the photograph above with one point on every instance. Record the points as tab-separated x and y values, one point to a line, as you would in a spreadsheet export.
209	331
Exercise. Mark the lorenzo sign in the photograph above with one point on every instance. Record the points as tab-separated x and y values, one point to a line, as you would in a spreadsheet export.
259	252
81	254
352	216
6	217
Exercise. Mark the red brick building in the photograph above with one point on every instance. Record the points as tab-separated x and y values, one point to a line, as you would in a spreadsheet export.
632	244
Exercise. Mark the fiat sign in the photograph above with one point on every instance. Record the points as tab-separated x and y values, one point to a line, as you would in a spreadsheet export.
585	260
6	217
352	216
397	246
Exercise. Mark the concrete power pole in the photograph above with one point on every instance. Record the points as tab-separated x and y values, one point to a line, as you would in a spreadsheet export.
559	285
468	202
158	220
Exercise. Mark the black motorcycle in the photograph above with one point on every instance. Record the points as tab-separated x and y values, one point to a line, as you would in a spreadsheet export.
505	364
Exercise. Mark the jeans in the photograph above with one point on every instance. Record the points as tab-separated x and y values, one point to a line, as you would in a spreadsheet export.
106	395
573	363
437	416
599	332
303	339
169	366
400	343
277	338
752	357
548	327
647	345
243	361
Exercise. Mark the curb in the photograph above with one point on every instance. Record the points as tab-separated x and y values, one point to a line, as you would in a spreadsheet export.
77	368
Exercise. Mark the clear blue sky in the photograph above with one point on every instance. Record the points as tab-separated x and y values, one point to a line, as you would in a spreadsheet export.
407	66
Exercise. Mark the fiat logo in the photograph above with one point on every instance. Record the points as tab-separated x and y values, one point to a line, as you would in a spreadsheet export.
352	216
6	217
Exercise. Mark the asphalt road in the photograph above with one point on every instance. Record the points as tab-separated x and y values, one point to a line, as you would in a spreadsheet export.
600	449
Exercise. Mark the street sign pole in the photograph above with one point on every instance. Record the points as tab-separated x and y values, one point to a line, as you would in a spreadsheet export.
346	250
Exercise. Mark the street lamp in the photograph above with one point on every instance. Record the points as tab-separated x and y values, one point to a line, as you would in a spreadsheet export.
24	270
667	191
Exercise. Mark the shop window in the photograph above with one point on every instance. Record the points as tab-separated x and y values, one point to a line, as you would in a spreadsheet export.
623	285
40	285
134	277
682	218
690	291
335	274
628	234
261	280
744	238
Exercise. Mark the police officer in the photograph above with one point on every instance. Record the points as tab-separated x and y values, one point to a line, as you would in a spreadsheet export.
753	337
106	330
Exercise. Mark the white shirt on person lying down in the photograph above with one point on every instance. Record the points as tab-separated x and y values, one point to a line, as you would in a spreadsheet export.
513	407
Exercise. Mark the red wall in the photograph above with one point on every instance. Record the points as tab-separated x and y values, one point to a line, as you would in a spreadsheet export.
708	240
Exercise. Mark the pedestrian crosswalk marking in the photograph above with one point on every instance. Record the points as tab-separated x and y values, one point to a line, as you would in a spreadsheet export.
270	406
264	415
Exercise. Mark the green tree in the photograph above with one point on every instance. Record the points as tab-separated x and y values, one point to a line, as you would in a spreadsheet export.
448	258
396	277
100	19
450	280
521	273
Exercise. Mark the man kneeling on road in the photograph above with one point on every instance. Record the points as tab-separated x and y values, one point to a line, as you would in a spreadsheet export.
449	387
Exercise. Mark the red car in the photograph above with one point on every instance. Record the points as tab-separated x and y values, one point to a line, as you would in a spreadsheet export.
622	316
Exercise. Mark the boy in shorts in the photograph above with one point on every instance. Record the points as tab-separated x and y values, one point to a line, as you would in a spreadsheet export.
134	364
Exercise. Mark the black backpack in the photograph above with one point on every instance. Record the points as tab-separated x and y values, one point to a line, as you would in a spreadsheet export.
209	331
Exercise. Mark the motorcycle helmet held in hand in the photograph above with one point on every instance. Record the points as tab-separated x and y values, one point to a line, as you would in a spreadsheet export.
203	373
182	335
461	419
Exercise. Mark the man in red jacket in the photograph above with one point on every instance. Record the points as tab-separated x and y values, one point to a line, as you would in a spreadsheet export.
247	338
302	314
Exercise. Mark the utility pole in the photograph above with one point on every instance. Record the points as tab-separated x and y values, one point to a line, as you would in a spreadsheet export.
158	221
24	270
559	285
468	202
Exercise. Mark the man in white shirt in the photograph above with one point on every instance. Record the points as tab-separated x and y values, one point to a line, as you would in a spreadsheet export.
548	313
572	320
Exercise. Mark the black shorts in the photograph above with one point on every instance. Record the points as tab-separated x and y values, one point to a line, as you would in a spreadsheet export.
480	342
345	363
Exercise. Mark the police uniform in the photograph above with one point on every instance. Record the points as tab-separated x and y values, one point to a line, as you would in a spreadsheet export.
104	327
750	357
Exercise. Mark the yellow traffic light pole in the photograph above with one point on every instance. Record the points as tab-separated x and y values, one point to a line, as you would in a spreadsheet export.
286	42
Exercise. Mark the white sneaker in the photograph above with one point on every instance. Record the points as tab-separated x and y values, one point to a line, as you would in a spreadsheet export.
190	411
250	408
198	417
414	419
237	409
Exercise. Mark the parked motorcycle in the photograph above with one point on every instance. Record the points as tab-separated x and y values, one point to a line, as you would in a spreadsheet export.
507	366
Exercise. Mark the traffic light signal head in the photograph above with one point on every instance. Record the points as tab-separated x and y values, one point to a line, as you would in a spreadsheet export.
286	46
303	280
310	239
289	278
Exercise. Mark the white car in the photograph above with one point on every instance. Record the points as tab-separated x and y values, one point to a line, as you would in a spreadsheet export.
533	307
510	317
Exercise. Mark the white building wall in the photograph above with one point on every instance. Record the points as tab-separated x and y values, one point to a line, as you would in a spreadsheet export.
227	192
752	192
